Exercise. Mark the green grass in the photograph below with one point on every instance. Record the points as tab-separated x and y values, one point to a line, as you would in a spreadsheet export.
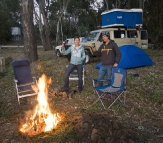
158	96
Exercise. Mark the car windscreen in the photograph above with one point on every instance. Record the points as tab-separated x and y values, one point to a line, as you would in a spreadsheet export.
92	36
71	41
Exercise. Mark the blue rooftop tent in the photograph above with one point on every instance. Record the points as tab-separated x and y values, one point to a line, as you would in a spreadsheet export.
132	57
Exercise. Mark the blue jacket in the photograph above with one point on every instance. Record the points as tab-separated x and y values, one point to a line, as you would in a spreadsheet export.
77	55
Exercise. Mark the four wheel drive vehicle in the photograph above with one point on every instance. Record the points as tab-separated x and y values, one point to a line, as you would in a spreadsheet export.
119	35
118	23
68	43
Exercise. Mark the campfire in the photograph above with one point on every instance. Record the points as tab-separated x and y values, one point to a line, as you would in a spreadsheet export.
41	118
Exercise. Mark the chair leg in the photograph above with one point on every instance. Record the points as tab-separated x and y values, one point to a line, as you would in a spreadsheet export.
122	102
18	95
124	97
18	99
99	98
118	98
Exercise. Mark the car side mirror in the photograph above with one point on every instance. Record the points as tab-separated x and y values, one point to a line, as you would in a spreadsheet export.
100	39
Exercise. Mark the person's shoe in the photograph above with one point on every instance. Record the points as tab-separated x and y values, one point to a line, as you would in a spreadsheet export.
106	96
64	89
79	91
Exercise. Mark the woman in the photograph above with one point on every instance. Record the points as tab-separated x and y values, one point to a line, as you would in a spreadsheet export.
76	62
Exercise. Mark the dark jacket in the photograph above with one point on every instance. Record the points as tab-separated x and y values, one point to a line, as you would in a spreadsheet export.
110	53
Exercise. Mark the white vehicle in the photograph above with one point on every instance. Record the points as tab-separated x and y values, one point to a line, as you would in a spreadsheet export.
68	42
58	49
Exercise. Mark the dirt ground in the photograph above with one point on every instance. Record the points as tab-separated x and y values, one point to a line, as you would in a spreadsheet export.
139	121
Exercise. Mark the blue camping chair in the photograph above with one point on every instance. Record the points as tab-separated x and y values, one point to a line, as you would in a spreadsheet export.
23	79
115	89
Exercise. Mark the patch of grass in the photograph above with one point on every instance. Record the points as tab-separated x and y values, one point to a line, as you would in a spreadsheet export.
118	107
130	78
157	96
138	110
149	79
8	71
6	111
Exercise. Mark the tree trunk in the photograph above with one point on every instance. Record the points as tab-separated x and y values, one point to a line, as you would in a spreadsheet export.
30	46
140	3
107	4
46	24
129	4
119	4
42	34
57	34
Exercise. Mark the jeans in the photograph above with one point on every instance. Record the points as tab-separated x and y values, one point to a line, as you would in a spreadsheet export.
69	70
104	70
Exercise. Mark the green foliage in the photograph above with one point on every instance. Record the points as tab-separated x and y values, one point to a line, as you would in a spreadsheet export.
153	18
80	17
9	15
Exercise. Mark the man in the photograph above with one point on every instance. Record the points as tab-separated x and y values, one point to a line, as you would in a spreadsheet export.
110	56
76	62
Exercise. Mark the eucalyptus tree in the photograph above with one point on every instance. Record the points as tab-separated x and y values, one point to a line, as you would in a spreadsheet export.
38	20
84	15
58	11
30	46
44	15
123	4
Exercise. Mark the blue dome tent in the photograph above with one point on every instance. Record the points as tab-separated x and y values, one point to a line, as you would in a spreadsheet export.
132	57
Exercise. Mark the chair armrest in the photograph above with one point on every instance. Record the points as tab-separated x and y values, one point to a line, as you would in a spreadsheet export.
101	80
15	80
95	81
34	78
119	86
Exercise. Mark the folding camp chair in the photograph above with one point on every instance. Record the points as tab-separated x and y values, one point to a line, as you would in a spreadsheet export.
74	74
115	89
23	79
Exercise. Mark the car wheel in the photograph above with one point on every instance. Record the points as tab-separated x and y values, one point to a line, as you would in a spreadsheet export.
68	57
87	56
58	53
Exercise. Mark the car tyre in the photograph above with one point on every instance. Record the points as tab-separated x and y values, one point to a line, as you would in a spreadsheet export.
87	56
58	53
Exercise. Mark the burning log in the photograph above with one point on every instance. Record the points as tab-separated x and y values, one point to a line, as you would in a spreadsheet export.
69	94
40	119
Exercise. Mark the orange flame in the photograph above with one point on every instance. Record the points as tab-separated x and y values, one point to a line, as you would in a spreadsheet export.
41	119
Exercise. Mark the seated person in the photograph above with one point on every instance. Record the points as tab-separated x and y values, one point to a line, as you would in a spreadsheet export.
77	57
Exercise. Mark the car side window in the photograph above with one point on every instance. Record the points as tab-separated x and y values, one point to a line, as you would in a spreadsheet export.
144	35
132	34
119	34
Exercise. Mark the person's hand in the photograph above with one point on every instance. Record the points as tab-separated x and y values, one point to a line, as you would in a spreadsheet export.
94	49
63	45
115	65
